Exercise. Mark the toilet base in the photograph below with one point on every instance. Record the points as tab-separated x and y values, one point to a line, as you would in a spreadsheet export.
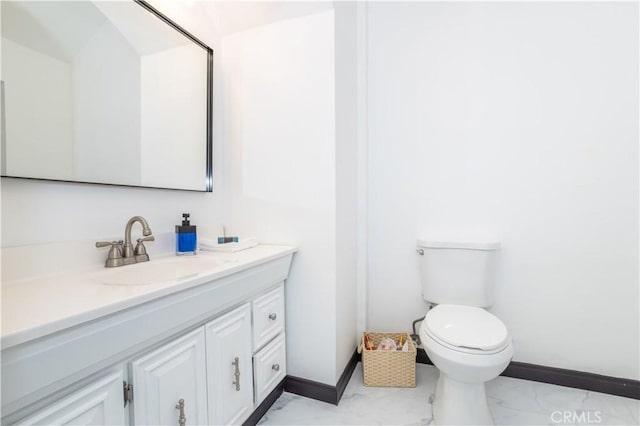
458	403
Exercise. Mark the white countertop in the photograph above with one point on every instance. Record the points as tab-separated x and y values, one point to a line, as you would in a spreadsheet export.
36	307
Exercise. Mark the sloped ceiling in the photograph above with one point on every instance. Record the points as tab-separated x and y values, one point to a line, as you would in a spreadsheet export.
61	28
57	29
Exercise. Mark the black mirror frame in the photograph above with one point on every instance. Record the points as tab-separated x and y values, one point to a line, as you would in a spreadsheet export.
209	159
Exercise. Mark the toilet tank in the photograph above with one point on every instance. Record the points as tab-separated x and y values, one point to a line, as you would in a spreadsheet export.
459	273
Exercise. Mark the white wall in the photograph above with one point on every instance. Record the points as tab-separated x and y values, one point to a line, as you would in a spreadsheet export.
346	180
280	152
37	88
520	122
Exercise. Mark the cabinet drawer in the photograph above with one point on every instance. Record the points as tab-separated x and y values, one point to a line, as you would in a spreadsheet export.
269	368
268	317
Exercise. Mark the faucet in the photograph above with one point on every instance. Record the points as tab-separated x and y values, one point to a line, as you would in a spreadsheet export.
122	253
128	255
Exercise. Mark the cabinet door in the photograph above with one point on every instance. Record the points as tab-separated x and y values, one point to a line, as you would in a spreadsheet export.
100	403
165	376
229	368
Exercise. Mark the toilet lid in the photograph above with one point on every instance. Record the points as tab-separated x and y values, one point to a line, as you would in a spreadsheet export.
466	327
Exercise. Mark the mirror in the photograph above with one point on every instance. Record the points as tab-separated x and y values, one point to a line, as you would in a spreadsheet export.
104	92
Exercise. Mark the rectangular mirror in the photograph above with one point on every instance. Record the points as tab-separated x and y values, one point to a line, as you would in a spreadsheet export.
104	92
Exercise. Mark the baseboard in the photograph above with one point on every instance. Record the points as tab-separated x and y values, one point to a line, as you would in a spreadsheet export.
321	391
561	377
259	412
310	389
346	375
574	379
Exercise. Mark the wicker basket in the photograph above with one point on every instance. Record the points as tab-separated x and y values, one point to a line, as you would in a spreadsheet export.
388	368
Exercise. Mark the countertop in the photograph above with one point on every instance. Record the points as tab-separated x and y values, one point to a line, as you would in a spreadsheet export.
36	307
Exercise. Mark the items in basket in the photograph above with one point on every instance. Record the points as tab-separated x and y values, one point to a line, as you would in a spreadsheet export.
387	344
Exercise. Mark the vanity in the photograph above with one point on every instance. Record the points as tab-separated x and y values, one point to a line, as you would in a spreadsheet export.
177	340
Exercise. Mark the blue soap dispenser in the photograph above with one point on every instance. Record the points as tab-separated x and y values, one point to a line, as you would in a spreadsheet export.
186	238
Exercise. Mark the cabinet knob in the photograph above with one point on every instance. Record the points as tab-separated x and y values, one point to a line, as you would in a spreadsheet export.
275	367
236	364
273	316
182	420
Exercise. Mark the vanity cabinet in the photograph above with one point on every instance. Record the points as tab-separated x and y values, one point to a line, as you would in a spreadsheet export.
215	343
216	374
229	370
171	380
214	370
99	403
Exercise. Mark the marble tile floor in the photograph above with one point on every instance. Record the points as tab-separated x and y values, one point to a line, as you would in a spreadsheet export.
512	402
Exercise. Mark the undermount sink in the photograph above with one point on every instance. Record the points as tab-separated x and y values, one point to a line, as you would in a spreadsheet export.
155	271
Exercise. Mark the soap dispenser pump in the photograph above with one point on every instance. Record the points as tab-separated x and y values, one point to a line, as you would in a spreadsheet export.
186	238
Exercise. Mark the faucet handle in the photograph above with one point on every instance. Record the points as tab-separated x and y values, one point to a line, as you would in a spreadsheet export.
114	258
140	252
108	243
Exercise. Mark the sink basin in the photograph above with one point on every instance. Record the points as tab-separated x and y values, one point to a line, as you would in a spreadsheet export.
155	271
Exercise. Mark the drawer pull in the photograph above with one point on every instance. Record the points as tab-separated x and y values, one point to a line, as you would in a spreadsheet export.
273	316
182	420
275	367
236	363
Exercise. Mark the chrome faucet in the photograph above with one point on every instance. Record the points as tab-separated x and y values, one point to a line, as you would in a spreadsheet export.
123	253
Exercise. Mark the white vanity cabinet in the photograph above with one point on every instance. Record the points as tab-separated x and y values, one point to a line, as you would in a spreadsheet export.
216	342
169	380
214	369
99	403
229	370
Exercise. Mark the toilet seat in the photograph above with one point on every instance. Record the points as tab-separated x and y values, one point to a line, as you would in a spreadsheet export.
466	329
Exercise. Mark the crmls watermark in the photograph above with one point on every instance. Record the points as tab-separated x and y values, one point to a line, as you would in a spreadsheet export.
579	417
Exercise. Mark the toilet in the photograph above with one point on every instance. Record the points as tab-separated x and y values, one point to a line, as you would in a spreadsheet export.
467	344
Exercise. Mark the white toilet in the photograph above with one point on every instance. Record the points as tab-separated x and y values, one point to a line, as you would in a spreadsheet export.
467	344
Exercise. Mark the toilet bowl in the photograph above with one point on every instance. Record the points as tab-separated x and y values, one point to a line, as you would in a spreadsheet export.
469	346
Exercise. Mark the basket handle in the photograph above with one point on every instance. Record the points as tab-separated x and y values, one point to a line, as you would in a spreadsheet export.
361	345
